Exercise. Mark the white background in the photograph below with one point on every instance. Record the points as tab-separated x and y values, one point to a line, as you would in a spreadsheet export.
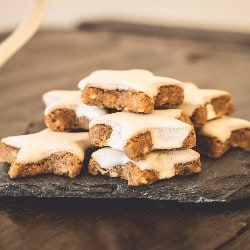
232	15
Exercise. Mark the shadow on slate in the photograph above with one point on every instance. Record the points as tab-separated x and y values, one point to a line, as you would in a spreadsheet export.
222	180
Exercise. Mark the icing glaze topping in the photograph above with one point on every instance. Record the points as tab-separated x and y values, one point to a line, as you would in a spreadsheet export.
170	113
195	97
135	79
222	128
70	99
166	131
162	161
35	147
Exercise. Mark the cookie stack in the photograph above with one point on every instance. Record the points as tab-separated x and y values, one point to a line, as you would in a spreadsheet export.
144	126
216	132
140	144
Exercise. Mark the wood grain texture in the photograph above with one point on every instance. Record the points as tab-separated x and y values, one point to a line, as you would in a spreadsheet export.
58	59
101	224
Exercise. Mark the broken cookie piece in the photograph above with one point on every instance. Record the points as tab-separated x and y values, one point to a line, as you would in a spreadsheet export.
202	105
139	134
60	153
162	164
217	136
65	112
134	90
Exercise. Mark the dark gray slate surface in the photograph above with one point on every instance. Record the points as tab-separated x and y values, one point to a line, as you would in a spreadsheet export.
222	180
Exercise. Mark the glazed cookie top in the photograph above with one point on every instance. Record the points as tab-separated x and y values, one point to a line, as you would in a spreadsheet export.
171	113
35	147
195	97
70	99
166	131
135	79
162	161
222	128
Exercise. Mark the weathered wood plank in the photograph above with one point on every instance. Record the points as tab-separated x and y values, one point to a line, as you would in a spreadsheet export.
75	224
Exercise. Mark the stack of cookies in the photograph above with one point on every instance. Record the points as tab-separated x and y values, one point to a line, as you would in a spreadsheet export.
143	128
139	144
216	132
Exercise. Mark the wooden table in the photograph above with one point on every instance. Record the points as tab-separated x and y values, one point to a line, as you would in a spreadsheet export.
58	60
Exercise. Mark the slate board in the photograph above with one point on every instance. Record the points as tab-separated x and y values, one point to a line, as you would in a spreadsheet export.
221	180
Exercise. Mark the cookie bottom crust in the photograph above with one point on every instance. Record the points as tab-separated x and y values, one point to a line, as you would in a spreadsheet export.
7	153
214	148
59	163
118	99
137	177
223	105
240	138
64	119
211	146
169	96
199	117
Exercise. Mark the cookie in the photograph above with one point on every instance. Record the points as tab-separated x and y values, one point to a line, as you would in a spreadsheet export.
217	136
133	90
65	112
162	164
139	134
60	153
202	105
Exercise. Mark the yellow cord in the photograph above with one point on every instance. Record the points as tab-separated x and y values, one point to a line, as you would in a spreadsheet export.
24	31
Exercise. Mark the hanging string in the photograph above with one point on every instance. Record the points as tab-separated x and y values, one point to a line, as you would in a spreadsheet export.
24	31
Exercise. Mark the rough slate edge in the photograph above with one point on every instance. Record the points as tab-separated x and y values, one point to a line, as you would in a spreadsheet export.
223	180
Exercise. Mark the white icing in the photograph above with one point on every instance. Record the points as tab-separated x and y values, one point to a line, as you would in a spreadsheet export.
195	97
192	94
209	94
210	112
35	147
170	113
163	162
188	108
166	132
162	81
134	79
108	158
70	99
222	128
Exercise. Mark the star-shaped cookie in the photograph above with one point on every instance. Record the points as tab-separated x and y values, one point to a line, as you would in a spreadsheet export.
44	152
139	134
134	90
218	135
202	105
65	112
